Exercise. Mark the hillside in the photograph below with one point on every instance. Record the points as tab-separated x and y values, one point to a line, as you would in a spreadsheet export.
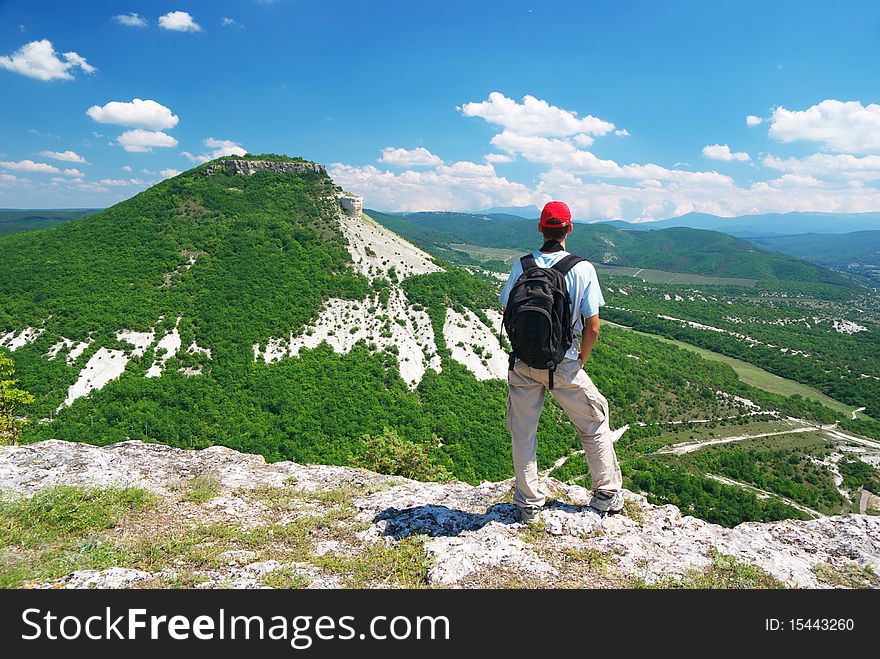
15	220
684	250
857	252
151	516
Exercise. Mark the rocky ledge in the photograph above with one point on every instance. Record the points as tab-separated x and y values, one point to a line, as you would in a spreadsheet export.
466	535
248	167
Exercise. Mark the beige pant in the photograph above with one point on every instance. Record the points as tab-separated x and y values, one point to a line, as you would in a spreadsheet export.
588	411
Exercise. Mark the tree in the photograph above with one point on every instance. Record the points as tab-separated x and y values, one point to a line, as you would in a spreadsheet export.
11	398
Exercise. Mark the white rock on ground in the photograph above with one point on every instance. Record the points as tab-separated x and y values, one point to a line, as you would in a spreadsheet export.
63	344
170	343
77	350
105	365
28	335
342	323
470	530
139	340
467	329
375	249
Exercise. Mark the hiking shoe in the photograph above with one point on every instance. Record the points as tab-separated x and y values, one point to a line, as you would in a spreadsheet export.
607	502
526	514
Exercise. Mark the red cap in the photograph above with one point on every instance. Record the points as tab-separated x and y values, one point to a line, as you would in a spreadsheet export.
555	214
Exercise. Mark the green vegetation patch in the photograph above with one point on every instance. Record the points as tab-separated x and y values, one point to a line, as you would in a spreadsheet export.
64	512
848	575
203	488
724	572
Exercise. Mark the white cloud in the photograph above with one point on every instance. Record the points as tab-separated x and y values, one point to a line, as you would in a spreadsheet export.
227	21
469	186
462	185
179	21
845	127
30	166
137	114
418	157
73	172
219	148
142	141
168	173
90	187
753	120
131	20
563	155
534	117
723	152
39	60
126	168
828	166
65	156
623	132
598	188
498	158
788	193
114	182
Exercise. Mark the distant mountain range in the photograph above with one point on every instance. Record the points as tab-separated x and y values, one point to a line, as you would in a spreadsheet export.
527	212
768	224
857	252
675	249
13	220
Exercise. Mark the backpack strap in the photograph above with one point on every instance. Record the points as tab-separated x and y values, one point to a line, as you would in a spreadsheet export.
566	263
528	262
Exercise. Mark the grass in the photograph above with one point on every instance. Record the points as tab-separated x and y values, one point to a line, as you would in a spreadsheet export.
754	375
62	529
286	579
666	277
403	565
491	253
724	572
533	532
203	488
64	512
589	556
847	576
632	510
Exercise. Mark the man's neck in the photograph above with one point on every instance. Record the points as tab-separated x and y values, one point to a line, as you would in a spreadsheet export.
561	244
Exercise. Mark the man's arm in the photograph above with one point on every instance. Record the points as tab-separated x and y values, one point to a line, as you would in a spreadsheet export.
588	338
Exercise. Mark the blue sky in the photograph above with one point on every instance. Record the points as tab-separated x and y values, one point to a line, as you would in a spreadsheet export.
633	110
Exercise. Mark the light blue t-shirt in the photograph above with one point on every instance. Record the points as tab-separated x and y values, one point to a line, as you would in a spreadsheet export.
583	288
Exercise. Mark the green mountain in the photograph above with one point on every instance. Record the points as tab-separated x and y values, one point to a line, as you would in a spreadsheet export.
857	252
15	220
695	251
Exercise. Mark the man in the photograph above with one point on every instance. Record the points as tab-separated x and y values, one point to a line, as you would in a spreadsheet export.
570	385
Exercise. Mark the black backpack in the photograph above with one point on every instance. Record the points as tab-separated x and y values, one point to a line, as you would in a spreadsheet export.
537	317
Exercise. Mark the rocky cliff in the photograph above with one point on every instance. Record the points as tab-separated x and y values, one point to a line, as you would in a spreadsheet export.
219	518
248	167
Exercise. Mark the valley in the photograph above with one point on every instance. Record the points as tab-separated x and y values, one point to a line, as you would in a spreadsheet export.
809	342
